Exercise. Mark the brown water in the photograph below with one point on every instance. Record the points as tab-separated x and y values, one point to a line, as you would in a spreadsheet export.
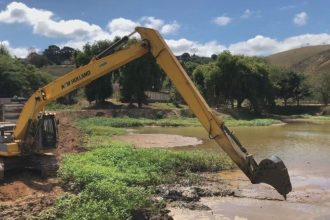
305	150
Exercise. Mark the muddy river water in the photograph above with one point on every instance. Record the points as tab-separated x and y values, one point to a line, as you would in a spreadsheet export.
304	148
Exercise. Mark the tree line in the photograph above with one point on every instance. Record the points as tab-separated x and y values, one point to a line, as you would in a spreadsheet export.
224	79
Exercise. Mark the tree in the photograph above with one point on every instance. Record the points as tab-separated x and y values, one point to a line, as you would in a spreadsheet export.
255	83
4	51
53	54
37	59
101	88
289	85
244	78
321	87
207	77
66	53
230	81
137	77
18	78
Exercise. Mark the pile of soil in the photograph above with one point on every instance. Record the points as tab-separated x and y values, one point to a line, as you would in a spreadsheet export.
25	194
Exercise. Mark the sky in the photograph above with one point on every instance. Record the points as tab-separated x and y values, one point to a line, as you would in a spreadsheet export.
204	27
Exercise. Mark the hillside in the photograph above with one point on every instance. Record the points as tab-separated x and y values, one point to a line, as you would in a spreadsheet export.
58	70
309	60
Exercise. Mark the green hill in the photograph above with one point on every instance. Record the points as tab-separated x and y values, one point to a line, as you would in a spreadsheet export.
58	70
309	60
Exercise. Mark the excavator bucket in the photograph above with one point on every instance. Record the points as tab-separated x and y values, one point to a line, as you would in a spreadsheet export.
273	172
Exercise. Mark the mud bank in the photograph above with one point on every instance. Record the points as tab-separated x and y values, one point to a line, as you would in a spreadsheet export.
158	140
310	199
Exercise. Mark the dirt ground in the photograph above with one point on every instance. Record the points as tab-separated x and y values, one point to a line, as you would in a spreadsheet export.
24	194
309	199
158	140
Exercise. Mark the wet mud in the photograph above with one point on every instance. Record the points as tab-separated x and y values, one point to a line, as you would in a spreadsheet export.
158	140
310	199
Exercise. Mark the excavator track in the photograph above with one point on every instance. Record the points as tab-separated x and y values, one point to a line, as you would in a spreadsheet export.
48	165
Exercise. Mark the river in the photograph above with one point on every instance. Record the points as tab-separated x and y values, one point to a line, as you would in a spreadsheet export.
305	150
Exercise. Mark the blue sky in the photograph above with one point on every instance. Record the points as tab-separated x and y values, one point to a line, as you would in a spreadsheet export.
202	27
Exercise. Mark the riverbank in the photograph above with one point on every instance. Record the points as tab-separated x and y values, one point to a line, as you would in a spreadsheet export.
115	179
152	176
310	199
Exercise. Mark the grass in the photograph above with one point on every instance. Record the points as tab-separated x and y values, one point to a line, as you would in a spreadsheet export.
136	122
317	117
290	57
115	180
172	121
55	106
163	105
252	122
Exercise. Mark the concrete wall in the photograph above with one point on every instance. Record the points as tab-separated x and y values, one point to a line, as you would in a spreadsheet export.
5	101
10	112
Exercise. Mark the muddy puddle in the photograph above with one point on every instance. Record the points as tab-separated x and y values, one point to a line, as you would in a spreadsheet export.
304	148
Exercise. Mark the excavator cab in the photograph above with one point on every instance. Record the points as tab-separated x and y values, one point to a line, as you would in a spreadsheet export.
49	131
46	132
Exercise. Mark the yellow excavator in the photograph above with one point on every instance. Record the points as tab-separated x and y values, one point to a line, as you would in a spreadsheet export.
35	135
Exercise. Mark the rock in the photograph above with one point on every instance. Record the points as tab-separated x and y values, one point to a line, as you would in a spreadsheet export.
190	194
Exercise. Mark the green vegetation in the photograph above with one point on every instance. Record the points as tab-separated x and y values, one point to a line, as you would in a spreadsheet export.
136	122
101	88
18	78
58	70
139	76
252	122
115	180
317	118
321	87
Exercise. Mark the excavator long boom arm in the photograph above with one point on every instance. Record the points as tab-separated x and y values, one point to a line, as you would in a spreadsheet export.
271	171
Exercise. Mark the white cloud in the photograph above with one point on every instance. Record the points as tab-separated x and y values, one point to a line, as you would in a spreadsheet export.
121	26
258	45
20	52
170	28
152	22
300	19
43	23
79	32
246	14
204	49
222	20
261	45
